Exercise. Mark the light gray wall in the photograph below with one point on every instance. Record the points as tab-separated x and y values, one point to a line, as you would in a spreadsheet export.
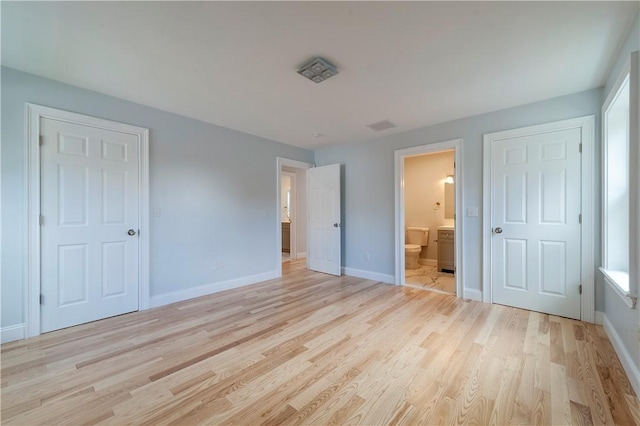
368	186
212	185
625	321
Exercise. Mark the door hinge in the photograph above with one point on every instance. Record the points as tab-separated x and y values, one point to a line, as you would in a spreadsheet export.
41	220
42	299
580	218
580	289
41	140
580	148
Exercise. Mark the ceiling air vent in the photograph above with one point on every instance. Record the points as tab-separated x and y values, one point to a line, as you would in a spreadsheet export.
381	125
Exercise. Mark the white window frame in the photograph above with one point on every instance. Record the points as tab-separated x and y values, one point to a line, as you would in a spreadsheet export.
615	278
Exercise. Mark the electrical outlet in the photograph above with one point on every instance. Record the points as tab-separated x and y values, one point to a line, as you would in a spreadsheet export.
367	257
157	212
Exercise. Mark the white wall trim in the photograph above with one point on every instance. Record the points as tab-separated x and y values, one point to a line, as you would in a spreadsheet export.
281	161
399	156
203	290
587	127
473	294
33	114
633	373
368	275
12	333
302	255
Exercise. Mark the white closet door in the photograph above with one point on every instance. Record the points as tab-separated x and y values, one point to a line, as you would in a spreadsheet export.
89	230
536	187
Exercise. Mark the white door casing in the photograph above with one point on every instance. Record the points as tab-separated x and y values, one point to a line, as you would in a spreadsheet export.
280	163
76	177
537	193
324	219
89	205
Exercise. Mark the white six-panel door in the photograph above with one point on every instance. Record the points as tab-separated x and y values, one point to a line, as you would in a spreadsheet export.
536	187
89	207
324	219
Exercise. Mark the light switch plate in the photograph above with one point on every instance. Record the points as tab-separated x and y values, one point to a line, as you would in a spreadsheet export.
472	211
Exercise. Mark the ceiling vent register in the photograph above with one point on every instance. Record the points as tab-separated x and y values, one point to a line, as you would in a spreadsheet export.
318	70
381	125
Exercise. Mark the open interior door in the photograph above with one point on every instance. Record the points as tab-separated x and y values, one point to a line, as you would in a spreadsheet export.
324	219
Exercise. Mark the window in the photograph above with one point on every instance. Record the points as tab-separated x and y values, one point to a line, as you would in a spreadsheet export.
618	211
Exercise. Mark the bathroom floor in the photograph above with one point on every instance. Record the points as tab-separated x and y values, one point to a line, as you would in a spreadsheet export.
429	277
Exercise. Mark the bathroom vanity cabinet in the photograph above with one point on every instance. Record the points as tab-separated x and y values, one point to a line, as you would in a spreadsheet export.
446	250
286	237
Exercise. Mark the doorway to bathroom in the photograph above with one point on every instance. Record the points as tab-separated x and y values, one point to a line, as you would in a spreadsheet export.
428	202
292	211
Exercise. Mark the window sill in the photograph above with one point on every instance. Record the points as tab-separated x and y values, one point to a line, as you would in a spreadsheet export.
619	282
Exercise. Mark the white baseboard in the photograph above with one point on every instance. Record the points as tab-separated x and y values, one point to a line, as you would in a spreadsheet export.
630	367
203	290
473	294
428	262
302	255
12	332
368	275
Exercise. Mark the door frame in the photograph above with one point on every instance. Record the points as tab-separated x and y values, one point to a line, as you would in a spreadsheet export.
33	114
399	156
282	161
586	125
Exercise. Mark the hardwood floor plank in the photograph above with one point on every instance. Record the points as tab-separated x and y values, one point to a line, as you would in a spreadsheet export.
310	348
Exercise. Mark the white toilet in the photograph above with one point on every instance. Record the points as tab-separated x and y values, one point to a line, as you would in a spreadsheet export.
415	240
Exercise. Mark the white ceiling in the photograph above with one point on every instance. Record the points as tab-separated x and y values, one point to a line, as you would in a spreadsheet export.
234	63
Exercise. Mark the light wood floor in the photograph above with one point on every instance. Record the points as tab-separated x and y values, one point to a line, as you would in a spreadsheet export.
311	348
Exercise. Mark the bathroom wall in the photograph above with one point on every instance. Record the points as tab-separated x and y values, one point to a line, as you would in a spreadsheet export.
423	189
300	204
285	185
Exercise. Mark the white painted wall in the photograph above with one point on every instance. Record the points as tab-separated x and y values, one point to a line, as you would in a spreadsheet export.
215	189
423	188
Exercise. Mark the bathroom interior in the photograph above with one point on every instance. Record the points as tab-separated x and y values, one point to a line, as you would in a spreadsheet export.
429	209
285	202
293	213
